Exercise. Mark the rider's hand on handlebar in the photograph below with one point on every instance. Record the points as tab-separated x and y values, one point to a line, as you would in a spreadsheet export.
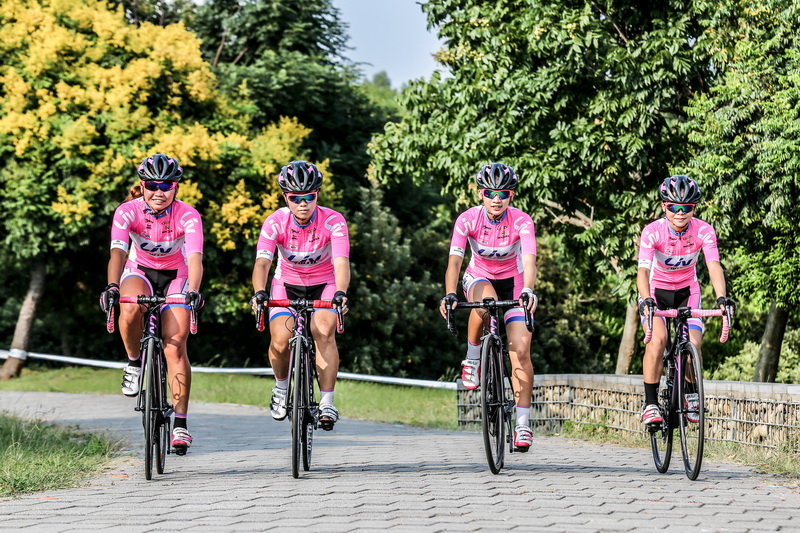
258	300
528	299
649	304
195	300
340	299
724	303
109	297
449	301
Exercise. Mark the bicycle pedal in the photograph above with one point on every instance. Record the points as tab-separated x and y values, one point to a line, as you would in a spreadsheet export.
180	450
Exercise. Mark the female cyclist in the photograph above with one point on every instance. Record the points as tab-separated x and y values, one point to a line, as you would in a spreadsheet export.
314	264
166	259
502	266
667	279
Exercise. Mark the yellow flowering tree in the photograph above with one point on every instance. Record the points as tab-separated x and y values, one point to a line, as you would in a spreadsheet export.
84	95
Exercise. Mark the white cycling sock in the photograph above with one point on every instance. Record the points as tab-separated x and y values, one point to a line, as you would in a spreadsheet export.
473	351
523	415
282	383
326	397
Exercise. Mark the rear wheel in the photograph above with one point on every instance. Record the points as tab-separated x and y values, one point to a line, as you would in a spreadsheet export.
298	407
692	417
661	435
149	391
492	404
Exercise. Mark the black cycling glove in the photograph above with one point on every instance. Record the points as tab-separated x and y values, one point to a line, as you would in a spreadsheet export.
109	297
339	300
194	297
726	302
647	302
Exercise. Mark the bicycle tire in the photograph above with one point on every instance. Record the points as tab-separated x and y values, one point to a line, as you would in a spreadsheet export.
309	423
492	404
692	434
298	409
162	433
149	392
661	437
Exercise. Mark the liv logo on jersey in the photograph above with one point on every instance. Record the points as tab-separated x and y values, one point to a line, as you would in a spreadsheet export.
493	254
306	260
676	262
156	249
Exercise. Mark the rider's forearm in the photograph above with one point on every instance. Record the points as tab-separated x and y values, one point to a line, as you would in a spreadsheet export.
341	272
116	263
530	271
260	274
195	261
717	278
643	282
451	275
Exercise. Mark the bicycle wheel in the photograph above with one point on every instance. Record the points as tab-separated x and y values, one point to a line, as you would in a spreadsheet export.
150	413
692	418
298	405
309	423
661	435
492	415
162	433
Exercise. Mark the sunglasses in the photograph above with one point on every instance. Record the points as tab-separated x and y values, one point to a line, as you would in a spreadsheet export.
307	198
680	208
492	193
162	186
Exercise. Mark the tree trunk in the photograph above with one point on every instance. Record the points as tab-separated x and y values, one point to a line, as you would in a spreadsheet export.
627	346
769	354
27	314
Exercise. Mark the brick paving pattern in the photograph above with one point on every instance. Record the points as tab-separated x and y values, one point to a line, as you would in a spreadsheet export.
368	476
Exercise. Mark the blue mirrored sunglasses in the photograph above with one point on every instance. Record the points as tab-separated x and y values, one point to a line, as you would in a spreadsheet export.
493	193
680	208
163	186
308	198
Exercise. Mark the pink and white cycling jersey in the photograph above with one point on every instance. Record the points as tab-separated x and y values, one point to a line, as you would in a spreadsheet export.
306	252
497	247
672	256
161	242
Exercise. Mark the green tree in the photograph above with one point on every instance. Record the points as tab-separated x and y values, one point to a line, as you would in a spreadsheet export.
747	148
286	57
584	99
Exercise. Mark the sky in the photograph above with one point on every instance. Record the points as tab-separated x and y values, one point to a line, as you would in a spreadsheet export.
389	35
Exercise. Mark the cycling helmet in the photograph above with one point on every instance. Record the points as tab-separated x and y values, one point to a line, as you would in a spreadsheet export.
300	176
497	176
680	189
159	167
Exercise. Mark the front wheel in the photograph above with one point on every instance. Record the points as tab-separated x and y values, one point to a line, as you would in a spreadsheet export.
492	404
691	408
150	413
299	402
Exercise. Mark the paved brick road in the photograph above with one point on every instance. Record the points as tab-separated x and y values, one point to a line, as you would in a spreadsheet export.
367	477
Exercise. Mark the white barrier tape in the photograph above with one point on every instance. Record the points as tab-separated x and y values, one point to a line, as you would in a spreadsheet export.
250	371
18	354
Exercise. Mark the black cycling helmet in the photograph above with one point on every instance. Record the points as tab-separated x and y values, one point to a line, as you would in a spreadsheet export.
680	189
497	176
159	167
300	176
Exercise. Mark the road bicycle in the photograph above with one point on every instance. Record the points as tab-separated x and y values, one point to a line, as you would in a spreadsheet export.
153	400
682	375
302	406
497	401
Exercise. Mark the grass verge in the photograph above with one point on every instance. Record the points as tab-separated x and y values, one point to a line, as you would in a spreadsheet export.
35	456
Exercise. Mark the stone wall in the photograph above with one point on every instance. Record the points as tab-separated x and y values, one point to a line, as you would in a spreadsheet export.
759	414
